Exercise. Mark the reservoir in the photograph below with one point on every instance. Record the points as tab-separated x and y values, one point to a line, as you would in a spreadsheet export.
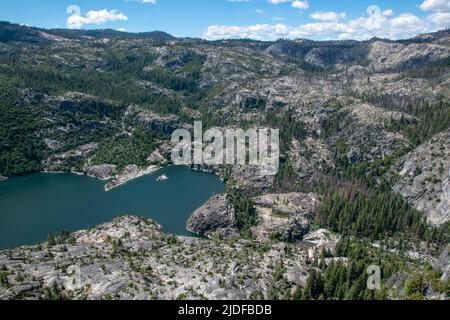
32	207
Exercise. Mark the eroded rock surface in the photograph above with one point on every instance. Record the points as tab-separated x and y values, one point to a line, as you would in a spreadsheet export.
214	215
131	258
285	217
424	176
102	172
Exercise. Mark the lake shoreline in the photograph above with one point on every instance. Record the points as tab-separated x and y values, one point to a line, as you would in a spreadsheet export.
48	202
130	173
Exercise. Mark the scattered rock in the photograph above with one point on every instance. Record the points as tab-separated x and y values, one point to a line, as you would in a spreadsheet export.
130	258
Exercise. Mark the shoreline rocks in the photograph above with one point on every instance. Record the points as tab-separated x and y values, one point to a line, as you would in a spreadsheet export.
129	173
216	214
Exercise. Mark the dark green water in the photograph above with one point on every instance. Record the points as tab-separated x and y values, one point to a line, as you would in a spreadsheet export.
31	207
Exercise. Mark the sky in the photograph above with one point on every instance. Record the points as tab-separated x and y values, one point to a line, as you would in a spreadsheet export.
226	19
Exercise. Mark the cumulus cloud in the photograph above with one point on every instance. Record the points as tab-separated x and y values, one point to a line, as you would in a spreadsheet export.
328	16
94	17
303	5
330	25
439	12
440	18
431	5
388	12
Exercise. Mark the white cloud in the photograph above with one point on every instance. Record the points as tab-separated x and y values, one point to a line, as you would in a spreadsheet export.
278	1
432	5
388	13
407	23
142	1
439	10
94	17
303	5
440	18
259	32
328	16
375	23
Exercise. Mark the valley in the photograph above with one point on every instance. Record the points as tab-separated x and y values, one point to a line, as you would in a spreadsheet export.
363	180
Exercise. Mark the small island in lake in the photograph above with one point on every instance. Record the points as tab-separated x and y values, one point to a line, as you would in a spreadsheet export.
162	178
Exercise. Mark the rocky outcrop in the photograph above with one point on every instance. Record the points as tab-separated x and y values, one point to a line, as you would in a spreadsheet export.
71	160
423	178
365	133
249	177
214	215
322	237
130	172
156	157
284	217
384	55
322	240
102	172
131	258
444	261
310	158
162	123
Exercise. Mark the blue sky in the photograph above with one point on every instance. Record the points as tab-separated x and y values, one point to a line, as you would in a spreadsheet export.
258	19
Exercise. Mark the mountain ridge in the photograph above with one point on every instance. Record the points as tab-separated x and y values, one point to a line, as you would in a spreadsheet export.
362	128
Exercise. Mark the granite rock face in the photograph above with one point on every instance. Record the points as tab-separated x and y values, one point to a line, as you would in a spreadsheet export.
423	178
102	172
367	132
385	55
285	217
249	177
131	258
444	261
310	158
214	215
58	162
166	124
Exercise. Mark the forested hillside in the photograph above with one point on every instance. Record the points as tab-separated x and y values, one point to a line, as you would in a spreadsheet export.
364	128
